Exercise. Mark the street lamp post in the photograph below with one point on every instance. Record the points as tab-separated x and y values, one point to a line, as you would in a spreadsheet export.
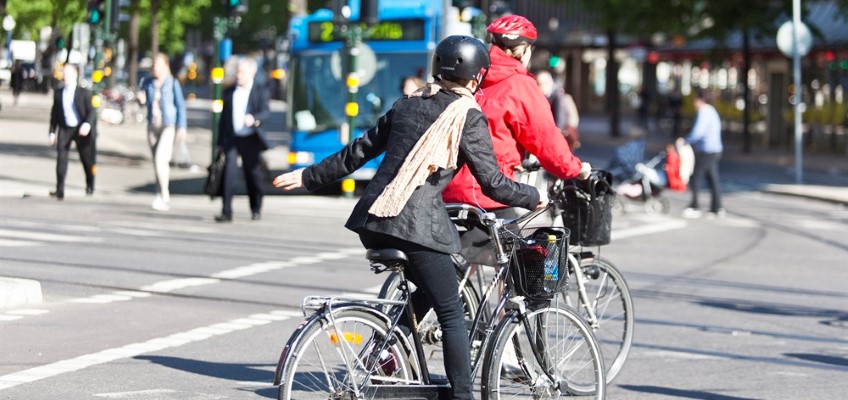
8	26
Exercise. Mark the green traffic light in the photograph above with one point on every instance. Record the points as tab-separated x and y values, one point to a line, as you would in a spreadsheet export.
94	17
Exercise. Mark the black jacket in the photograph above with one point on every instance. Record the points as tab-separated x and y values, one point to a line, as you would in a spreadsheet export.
82	102
424	220
257	105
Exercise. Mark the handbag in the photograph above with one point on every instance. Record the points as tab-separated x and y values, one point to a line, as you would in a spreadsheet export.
215	178
588	213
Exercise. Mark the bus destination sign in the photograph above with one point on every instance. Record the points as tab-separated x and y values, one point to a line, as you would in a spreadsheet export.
404	29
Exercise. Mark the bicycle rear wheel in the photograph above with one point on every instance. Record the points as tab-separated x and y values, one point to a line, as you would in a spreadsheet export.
566	349
331	361
609	298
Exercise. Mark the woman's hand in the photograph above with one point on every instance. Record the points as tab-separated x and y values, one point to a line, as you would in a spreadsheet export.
290	180
543	199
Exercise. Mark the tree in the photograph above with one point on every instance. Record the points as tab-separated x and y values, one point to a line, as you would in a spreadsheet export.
166	20
32	15
748	18
639	18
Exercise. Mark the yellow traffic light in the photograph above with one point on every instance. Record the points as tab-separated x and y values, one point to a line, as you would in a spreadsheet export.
217	75
97	76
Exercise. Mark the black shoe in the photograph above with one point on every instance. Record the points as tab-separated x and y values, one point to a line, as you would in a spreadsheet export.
58	195
256	216
89	192
223	218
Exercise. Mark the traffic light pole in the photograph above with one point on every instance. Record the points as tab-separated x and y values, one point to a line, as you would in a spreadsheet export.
353	41
220	31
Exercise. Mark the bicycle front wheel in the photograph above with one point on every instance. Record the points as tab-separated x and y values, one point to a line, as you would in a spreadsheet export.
341	360
552	354
612	317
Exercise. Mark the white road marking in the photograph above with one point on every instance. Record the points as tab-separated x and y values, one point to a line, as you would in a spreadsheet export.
647	229
135	349
18	243
137	393
252	269
10	317
176	284
28	311
48	237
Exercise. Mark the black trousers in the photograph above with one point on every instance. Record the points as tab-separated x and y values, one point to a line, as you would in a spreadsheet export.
250	149
85	147
706	164
434	275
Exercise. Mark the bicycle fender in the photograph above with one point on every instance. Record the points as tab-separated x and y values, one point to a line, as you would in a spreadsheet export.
306	324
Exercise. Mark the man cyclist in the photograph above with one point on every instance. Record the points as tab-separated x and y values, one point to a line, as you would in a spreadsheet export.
426	136
520	122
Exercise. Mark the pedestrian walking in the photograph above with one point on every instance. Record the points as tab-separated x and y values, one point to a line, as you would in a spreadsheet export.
241	133
563	108
705	139
16	82
166	120
71	119
425	136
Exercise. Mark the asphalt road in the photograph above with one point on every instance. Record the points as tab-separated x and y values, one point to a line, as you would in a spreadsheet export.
146	305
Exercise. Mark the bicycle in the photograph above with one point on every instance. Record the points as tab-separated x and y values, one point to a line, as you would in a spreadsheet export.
599	293
355	349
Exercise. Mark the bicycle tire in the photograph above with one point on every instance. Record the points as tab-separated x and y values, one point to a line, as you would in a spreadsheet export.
315	369
570	354
613	306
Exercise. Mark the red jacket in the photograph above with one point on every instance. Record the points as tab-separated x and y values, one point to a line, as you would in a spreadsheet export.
520	121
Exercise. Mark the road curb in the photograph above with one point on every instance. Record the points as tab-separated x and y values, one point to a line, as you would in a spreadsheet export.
831	194
16	292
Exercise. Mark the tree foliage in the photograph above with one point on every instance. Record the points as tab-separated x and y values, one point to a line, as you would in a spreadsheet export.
31	15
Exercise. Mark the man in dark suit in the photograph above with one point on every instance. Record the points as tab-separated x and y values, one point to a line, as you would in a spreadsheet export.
241	132
71	120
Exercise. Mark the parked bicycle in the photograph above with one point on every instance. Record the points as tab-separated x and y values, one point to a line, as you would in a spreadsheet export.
357	349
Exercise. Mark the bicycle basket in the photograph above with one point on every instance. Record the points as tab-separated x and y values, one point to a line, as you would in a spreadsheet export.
588	209
531	251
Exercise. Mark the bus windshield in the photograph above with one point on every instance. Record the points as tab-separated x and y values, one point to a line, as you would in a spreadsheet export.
319	93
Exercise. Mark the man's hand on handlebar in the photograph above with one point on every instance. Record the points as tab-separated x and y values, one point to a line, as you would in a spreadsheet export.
585	171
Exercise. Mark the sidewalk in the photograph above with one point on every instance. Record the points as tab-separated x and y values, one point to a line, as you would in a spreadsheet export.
771	171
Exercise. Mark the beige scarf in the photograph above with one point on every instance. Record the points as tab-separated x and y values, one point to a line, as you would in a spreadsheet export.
437	148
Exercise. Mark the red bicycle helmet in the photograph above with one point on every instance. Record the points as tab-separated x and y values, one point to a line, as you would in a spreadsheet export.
512	30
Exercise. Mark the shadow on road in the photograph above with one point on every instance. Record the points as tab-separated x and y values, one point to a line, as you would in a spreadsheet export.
43	151
820	358
685	394
234	372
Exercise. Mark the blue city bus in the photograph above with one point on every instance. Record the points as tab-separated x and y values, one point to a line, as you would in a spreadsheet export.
402	43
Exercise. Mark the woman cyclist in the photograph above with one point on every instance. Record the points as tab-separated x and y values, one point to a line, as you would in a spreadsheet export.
426	136
520	122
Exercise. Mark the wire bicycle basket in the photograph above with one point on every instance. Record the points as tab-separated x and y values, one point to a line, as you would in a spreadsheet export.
538	262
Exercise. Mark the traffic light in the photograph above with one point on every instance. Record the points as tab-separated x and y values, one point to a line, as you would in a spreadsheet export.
95	11
236	7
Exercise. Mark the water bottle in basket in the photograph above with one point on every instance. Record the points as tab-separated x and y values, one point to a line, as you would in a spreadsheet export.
551	265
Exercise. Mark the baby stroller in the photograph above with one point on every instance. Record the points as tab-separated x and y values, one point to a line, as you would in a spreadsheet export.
643	183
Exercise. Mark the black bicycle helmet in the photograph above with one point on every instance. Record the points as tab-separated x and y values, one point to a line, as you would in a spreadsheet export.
459	58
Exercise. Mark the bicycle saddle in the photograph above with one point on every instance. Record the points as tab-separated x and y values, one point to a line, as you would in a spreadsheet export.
385	255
